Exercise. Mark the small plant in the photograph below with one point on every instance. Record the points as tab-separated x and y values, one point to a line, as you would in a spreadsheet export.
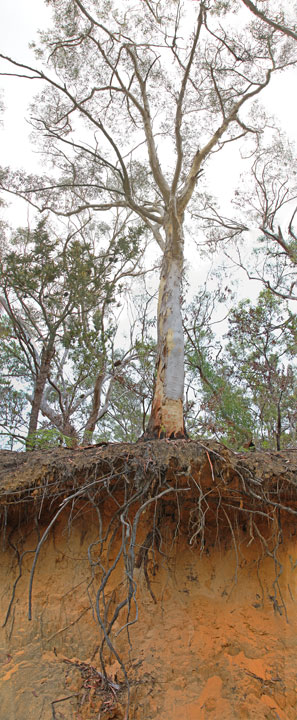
47	438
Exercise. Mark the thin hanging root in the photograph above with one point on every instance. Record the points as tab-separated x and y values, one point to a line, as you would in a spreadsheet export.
273	554
142	558
234	543
211	466
20	566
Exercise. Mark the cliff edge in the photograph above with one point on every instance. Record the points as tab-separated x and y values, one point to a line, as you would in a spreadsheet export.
145	581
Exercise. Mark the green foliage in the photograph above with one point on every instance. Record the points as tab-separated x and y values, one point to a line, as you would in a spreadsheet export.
245	383
46	438
13	414
59	295
228	406
261	350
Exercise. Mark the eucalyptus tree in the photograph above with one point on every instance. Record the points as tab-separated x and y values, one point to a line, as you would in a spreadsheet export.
243	382
270	205
261	235
130	398
135	100
58	294
261	354
217	403
13	402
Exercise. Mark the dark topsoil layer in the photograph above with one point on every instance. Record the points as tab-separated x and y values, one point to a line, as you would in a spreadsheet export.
266	475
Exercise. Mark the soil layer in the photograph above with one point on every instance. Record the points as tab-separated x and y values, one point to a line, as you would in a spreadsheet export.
164	583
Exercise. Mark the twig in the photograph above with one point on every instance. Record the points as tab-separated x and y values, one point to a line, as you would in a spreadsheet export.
68	626
54	702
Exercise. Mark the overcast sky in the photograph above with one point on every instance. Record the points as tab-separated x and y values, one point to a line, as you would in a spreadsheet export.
18	28
19	23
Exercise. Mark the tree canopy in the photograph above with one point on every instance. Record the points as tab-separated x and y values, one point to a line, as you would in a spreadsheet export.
59	322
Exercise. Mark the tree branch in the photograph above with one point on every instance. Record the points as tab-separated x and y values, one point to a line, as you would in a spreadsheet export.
273	23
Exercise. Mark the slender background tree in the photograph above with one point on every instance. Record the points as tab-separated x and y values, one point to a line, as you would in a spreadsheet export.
244	380
261	236
59	296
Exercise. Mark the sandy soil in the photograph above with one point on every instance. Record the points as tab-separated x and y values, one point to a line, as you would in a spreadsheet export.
213	645
215	636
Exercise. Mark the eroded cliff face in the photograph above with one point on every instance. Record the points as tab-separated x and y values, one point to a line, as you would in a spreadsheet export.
213	645
215	631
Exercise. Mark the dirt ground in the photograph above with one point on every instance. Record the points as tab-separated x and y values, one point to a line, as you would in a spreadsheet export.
210	630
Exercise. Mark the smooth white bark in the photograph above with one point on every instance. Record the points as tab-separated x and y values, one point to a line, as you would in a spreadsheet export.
167	410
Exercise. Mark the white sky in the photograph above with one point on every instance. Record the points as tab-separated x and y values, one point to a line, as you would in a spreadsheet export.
18	28
19	23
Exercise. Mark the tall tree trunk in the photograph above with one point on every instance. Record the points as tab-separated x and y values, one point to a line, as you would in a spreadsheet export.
279	425
41	378
95	412
61	421
69	431
167	418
